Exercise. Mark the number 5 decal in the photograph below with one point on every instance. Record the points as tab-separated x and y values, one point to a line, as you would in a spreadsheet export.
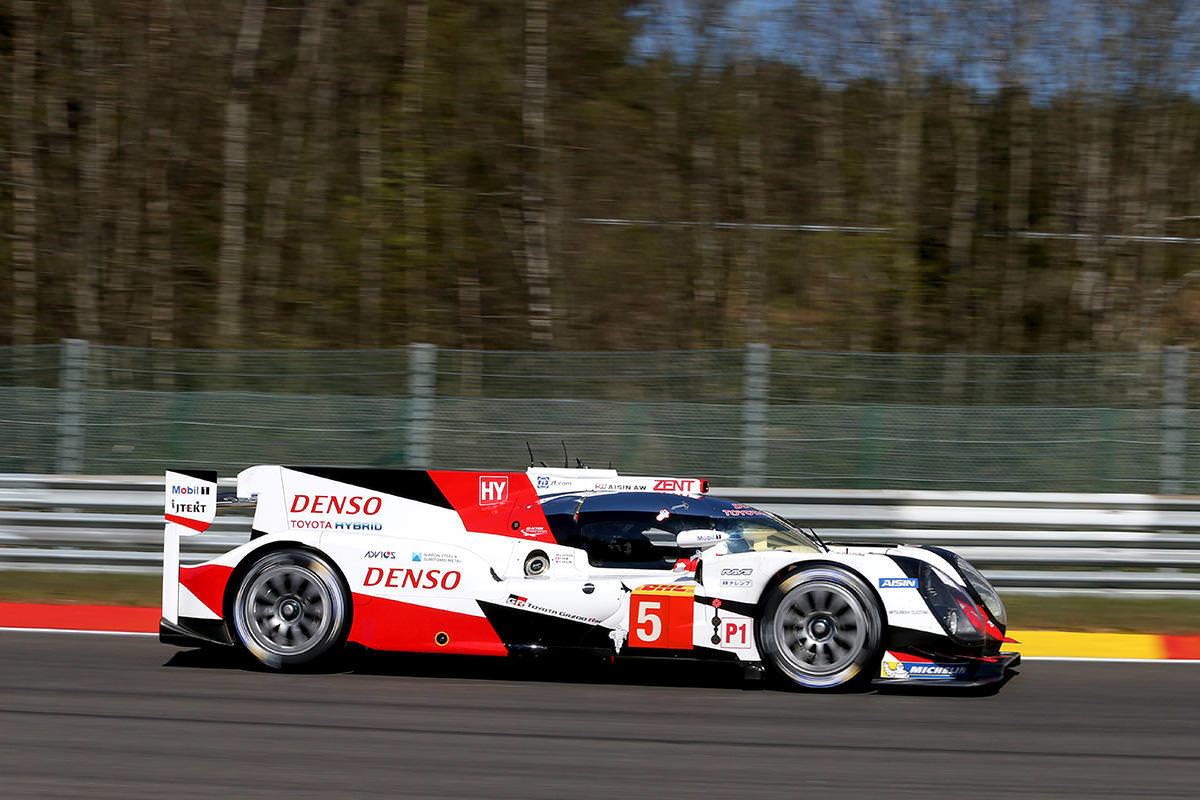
660	615
652	621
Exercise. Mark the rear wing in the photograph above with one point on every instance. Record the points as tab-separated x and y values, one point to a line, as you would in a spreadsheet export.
189	507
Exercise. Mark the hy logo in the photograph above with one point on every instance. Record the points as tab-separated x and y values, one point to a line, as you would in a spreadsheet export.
493	489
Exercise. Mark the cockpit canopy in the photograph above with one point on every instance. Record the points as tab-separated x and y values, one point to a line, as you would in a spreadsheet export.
636	530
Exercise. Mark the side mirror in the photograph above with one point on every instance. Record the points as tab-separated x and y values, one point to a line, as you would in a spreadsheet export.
699	538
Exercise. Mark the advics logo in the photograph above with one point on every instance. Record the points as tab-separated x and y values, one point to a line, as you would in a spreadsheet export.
493	489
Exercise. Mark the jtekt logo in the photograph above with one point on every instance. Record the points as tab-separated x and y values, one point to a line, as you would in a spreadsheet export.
493	489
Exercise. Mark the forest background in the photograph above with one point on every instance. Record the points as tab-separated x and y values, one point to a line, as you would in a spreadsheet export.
1006	176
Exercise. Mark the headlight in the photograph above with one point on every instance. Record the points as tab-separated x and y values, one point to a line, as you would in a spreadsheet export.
953	607
987	593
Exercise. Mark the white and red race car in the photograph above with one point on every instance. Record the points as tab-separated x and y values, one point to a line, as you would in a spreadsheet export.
549	560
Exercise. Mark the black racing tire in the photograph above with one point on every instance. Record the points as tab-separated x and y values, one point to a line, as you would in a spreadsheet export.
821	628
290	609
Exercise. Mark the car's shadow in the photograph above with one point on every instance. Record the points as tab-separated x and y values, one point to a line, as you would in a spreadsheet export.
550	669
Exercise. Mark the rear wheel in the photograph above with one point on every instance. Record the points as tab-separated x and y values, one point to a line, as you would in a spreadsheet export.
290	609
821	628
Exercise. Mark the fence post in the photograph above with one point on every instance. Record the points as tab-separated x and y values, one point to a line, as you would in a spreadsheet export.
71	385
421	362
754	414
1174	420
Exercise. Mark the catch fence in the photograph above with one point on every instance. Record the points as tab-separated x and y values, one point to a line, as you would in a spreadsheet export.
751	417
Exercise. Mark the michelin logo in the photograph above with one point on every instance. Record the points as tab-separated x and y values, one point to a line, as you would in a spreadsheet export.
937	670
897	583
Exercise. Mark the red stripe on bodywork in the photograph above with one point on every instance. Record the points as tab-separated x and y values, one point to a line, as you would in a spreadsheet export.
80	618
392	625
194	524
483	508
1182	646
207	582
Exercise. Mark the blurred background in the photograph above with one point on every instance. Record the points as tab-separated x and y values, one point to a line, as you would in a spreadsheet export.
854	244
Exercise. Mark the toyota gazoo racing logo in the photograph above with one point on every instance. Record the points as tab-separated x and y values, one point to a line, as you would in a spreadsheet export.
493	489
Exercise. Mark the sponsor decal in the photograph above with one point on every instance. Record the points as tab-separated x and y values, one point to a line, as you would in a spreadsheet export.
379	554
737	583
737	572
523	602
563	558
742	512
534	530
441	558
703	538
936	670
188	508
324	524
543	482
683	485
335	504
897	583
191	490
398	578
493	489
666	588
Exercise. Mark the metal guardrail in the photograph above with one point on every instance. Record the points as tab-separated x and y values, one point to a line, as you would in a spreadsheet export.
1024	542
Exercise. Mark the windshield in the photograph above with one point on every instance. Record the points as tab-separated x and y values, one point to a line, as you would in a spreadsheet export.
750	529
638	529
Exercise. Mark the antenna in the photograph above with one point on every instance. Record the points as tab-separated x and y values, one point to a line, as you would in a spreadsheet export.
529	447
565	463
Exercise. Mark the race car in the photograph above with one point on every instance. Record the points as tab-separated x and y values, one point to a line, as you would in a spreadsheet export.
565	560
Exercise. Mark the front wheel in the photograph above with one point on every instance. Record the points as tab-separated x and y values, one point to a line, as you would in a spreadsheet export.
821	628
290	609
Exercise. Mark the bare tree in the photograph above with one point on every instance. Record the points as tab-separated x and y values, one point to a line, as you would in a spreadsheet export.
533	194
294	110
370	166
91	128
751	272
416	34
158	198
236	134
24	176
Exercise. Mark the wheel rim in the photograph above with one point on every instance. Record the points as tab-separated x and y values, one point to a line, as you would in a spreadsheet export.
287	609
820	628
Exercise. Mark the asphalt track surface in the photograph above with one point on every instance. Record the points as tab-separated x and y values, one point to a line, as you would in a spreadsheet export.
122	716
